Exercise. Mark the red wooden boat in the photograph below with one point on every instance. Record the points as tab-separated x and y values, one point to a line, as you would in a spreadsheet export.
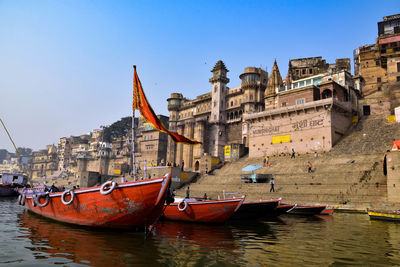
125	205
327	211
205	211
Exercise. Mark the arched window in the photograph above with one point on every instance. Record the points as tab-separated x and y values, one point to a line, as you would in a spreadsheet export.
231	103
326	94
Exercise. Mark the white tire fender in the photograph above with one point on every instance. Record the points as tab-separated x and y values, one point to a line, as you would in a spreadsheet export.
107	187
46	201
64	194
185	205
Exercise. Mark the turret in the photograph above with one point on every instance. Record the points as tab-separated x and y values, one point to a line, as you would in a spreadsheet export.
254	81
218	81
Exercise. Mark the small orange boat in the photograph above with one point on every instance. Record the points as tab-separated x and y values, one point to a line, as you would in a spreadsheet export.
125	205
204	211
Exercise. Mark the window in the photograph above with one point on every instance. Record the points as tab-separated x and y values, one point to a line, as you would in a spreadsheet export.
215	117
215	104
377	62
297	72
283	104
310	71
240	101
251	97
304	71
398	67
235	102
379	88
215	88
378	79
398	78
231	103
300	101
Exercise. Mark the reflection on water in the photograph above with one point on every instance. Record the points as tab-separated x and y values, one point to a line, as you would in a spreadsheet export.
342	239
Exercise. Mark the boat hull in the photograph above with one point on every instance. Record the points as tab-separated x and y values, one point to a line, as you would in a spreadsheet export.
306	210
283	209
129	205
256	210
384	215
208	211
7	191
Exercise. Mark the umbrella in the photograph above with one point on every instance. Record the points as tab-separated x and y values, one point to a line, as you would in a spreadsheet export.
251	168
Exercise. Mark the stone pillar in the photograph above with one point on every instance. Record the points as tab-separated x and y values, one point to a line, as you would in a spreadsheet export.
393	176
179	147
171	150
198	150
188	149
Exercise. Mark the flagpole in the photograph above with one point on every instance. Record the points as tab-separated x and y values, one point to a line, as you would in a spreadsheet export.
133	141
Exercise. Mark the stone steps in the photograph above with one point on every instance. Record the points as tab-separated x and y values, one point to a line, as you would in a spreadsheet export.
335	180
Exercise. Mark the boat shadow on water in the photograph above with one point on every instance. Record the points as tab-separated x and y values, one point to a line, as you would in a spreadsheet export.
51	240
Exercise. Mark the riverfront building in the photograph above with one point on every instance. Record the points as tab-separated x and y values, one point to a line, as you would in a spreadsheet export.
377	66
308	111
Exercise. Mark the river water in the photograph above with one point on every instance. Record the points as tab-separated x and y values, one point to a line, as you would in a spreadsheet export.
341	239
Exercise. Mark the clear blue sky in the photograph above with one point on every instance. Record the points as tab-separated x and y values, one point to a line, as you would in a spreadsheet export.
66	66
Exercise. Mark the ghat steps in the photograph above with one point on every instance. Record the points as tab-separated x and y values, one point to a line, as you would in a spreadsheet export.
350	175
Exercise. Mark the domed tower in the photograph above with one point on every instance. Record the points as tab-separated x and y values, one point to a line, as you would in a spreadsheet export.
254	81
274	82
174	104
218	107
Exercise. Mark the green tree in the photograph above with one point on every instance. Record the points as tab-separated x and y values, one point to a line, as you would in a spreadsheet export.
117	129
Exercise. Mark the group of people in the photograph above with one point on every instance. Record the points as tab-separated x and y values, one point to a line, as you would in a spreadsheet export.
173	164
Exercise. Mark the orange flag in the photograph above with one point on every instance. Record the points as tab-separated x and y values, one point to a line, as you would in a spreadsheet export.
140	102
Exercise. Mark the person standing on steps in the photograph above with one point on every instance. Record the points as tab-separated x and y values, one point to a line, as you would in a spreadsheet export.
182	165
309	166
266	161
293	154
272	183
187	192
206	169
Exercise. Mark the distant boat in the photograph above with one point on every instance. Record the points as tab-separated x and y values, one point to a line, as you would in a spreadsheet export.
11	183
384	215
203	211
256	210
327	211
306	210
125	205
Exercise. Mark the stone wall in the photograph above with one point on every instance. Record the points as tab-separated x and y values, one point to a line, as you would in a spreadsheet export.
234	133
393	176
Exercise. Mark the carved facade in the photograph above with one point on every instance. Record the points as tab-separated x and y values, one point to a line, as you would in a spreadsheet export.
227	116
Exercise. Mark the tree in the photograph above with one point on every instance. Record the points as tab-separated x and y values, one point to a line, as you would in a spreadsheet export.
117	129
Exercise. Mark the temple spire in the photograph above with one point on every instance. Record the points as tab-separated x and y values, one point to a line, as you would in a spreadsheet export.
274	81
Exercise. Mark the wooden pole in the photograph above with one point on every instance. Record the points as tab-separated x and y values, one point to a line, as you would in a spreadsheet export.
16	150
133	140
